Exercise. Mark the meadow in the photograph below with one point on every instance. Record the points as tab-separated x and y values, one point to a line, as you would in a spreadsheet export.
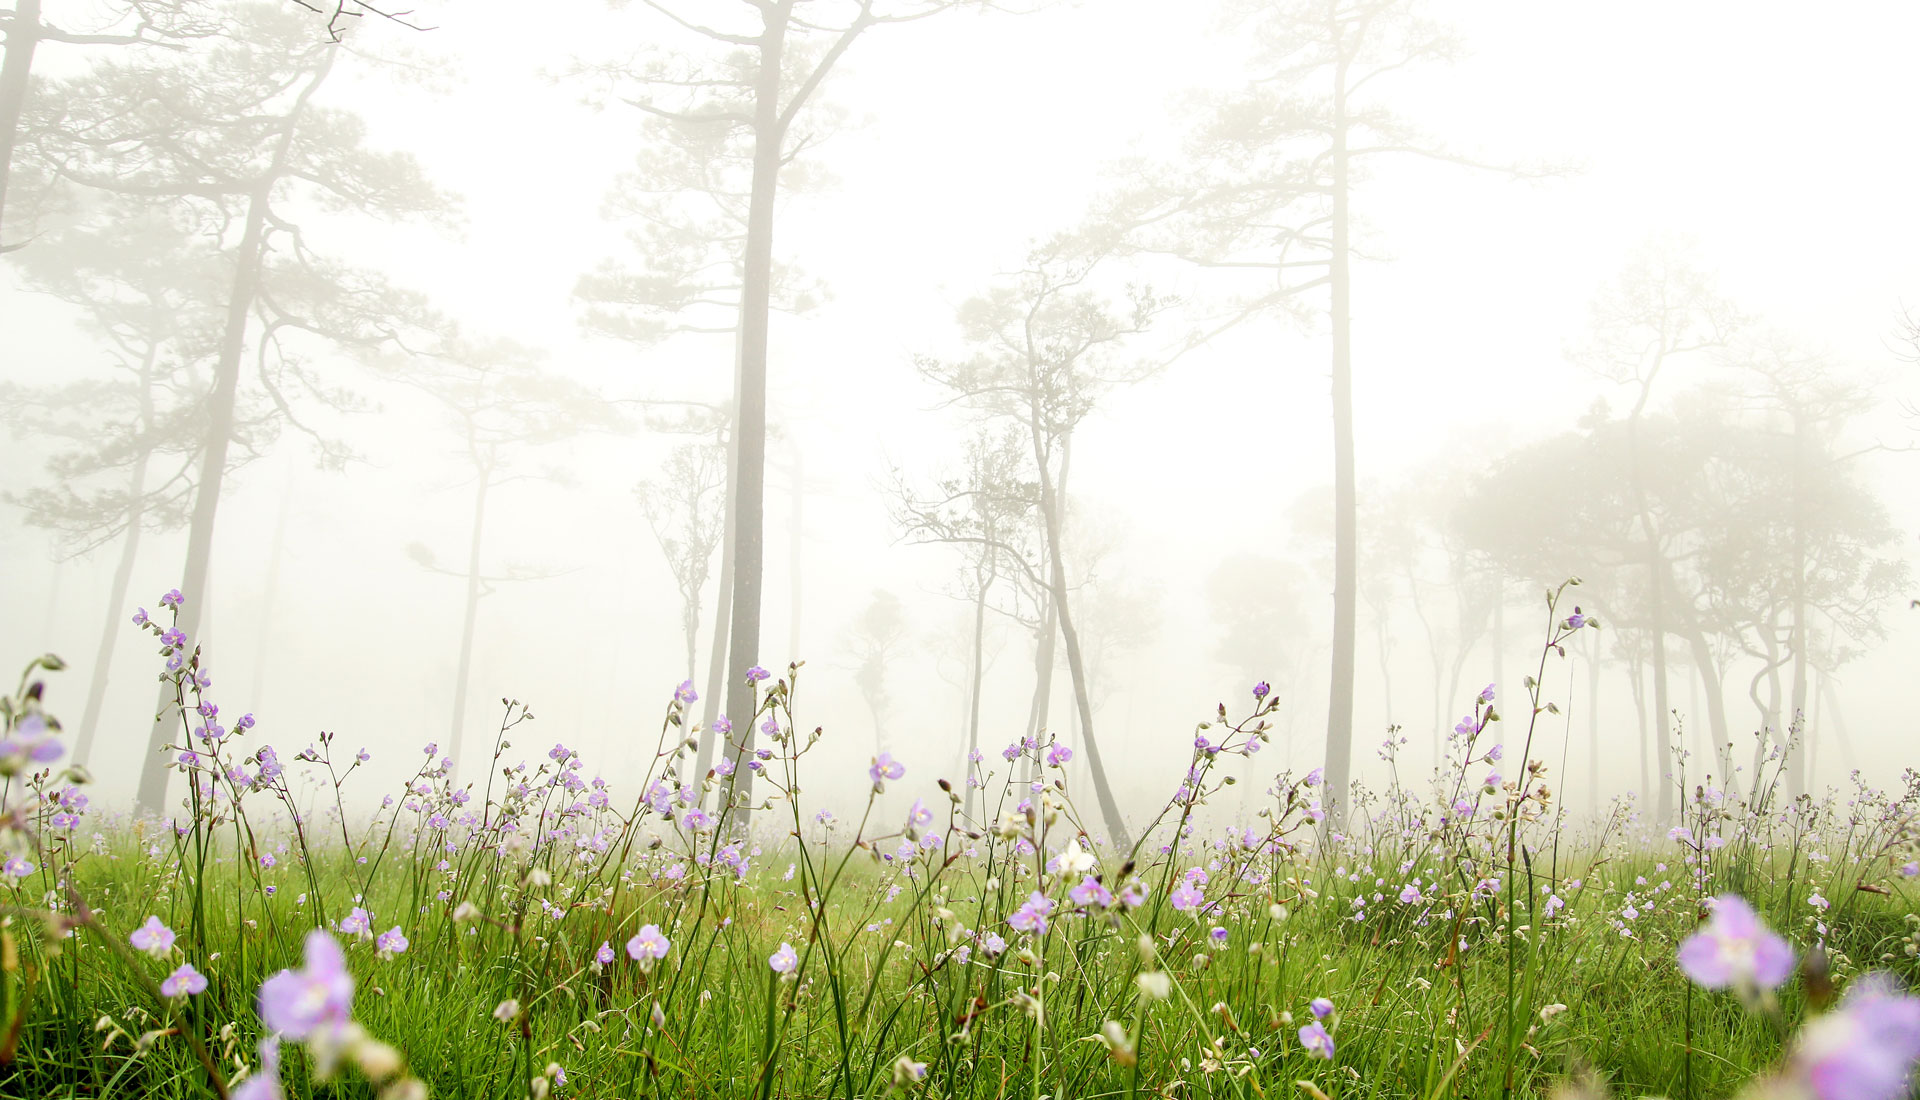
541	934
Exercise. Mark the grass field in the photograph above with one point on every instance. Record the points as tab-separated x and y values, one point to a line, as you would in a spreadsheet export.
544	935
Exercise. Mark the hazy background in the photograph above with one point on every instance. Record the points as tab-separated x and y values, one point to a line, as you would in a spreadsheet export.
1770	144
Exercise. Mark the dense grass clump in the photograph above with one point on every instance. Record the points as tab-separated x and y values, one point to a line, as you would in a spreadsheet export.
710	935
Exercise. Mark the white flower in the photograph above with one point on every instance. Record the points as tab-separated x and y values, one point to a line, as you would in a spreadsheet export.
1075	860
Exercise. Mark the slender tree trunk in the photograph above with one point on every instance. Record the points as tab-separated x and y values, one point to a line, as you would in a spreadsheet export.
1043	662
1657	613
979	679
206	497
690	634
750	427
16	65
1076	667
1345	524
116	607
1797	699
152	794
1711	686
457	736
1768	708
723	612
1636	678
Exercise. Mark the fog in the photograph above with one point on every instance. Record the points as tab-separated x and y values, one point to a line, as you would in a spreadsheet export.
1606	271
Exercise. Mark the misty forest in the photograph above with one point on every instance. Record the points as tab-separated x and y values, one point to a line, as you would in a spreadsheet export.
1325	549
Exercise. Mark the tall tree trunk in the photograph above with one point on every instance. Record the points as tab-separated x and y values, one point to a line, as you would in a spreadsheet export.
1043	662
116	607
152	794
457	736
206	495
16	65
1076	666
979	678
690	634
750	425
1797	699
1710	684
1656	611
723	612
1637	680
1345	524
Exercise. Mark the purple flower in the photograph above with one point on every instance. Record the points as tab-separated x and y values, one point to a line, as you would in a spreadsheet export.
992	943
1090	892
1320	1007
1317	1042
1736	950
153	937
1486	694
183	982
605	954
1316	777
359	922
784	961
1058	755
684	694
391	942
172	599
1410	894
1261	689
174	638
1863	1050
647	945
264	1085
722	725
1032	915
140	616
1186	897
757	674
1219	935
314	1002
1576	620
885	767
32	741
918	816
